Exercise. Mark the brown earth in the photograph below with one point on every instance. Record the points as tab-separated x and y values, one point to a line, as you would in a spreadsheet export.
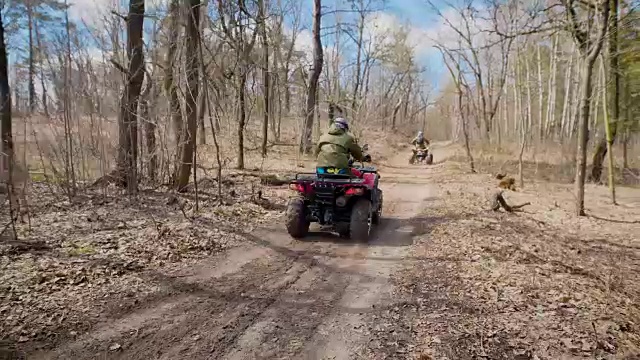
442	279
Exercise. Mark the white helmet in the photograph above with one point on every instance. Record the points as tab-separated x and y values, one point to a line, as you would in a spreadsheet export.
342	123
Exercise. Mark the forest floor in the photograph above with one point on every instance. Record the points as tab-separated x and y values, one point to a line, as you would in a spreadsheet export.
444	278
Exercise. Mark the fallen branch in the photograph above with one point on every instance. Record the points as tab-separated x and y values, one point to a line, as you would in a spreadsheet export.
498	201
5	228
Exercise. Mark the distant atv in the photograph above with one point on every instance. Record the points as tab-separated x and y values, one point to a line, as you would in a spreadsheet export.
422	156
348	203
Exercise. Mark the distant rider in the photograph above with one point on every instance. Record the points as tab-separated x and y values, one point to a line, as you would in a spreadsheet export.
419	143
336	145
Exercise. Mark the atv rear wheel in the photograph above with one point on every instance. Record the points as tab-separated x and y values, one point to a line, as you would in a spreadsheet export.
297	223
375	217
429	159
361	219
343	229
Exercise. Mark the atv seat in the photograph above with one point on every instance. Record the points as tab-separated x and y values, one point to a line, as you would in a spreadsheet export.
338	173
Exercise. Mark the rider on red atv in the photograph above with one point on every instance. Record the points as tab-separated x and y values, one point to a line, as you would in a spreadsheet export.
336	145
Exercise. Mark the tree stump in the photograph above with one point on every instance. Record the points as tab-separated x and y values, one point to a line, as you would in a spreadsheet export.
498	201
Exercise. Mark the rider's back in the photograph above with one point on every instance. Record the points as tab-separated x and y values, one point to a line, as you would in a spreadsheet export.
334	147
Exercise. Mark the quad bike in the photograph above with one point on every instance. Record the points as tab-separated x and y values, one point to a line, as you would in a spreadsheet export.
421	156
346	203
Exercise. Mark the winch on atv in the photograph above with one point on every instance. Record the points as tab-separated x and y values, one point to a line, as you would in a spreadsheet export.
346	200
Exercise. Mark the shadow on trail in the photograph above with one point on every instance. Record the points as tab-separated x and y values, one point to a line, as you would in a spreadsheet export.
393	232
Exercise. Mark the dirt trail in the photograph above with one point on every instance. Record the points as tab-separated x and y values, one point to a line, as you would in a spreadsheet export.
274	297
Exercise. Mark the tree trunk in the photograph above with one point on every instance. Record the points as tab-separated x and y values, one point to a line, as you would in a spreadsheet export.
170	85
45	106
287	90
150	125
583	134
627	118
614	96
242	89
607	130
465	130
540	96
192	70
358	69
265	76
525	121
314	75
276	90
625	150
395	114
128	132
590	51
552	90
70	171
567	95
6	147
529	125
32	69
202	95
202	108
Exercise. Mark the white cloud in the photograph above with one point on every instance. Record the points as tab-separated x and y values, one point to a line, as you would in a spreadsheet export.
92	12
304	43
382	27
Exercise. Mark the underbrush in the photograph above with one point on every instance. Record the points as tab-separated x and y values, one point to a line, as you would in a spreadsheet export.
79	255
550	163
538	284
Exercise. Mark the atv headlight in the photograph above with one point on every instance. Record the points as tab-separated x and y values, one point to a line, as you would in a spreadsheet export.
341	201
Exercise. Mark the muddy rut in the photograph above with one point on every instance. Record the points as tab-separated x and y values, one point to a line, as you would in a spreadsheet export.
274	297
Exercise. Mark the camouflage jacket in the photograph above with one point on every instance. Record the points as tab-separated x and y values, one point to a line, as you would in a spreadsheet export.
420	144
334	147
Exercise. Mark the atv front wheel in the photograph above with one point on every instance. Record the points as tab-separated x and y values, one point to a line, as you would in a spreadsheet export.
361	217
297	223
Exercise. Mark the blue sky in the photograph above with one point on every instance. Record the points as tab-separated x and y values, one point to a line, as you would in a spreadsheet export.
416	15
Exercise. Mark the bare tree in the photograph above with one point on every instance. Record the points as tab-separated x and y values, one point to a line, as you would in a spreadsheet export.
234	19
608	135
488	91
266	76
128	122
589	45
6	147
170	84
605	143
203	94
192	68
454	67
314	75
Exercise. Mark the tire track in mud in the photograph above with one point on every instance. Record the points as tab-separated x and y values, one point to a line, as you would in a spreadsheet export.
275	297
199	317
344	334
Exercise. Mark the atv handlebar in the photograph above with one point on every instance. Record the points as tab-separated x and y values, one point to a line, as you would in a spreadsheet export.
365	158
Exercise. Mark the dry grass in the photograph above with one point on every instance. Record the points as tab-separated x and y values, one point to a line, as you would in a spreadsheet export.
547	163
541	284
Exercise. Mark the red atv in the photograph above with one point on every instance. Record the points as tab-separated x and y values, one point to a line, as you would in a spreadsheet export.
348	203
